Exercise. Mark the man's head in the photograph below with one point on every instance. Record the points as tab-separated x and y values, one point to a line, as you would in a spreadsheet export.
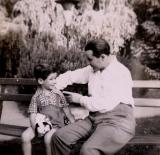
98	54
45	76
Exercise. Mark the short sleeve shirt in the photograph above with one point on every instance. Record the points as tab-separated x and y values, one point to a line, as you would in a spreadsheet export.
40	99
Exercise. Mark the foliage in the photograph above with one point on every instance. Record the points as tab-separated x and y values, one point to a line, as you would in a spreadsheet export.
42	16
9	53
116	23
146	46
42	48
151	3
70	30
8	4
11	38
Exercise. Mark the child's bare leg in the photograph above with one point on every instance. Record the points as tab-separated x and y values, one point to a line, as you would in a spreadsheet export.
27	136
47	140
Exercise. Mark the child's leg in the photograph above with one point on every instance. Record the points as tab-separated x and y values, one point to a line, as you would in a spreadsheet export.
27	136
47	140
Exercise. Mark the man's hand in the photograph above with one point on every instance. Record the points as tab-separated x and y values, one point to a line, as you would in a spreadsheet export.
72	97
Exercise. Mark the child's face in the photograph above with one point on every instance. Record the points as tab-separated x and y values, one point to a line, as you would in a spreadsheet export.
49	82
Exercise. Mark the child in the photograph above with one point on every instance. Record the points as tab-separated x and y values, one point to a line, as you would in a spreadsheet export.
48	101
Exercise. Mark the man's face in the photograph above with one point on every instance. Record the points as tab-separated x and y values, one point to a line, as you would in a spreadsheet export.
96	63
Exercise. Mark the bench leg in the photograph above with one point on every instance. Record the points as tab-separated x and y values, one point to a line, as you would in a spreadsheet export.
1	108
158	149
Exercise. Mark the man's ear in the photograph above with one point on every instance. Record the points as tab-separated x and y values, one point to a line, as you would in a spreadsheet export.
40	81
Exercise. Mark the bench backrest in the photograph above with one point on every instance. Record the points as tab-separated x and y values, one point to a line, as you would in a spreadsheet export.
139	102
143	104
148	101
15	82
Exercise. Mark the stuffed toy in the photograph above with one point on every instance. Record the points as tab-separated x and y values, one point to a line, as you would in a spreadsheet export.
43	125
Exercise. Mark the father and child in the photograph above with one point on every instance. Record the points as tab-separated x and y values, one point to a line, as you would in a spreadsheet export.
110	104
50	102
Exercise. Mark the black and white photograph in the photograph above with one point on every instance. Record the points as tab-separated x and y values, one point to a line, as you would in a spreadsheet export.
79	77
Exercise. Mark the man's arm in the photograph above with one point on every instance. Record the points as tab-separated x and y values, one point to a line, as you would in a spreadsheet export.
92	103
79	76
118	91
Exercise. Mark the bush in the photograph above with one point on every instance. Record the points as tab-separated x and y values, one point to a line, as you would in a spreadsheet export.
10	45
41	48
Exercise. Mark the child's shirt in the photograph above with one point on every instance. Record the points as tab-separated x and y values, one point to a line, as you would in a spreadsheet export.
50	105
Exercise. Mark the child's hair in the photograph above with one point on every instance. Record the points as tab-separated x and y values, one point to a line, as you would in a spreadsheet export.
42	71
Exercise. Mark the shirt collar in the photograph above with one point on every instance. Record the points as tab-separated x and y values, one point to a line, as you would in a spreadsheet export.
111	65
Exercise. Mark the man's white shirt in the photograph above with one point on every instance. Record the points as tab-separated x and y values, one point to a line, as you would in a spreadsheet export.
106	88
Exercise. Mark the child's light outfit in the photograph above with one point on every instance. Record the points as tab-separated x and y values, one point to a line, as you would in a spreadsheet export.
50	105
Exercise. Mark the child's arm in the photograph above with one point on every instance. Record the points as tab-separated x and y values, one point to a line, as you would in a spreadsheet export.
33	111
69	114
32	118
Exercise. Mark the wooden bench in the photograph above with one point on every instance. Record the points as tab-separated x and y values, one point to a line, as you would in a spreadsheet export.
8	129
15	130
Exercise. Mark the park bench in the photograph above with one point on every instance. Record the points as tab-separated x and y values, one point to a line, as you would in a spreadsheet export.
15	130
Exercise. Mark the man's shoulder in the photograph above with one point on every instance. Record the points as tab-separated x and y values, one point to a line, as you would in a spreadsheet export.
86	68
122	66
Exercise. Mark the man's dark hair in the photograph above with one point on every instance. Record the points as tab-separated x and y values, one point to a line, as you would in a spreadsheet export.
98	46
42	71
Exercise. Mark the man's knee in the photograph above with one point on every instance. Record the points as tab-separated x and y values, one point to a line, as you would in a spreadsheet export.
56	136
61	136
87	149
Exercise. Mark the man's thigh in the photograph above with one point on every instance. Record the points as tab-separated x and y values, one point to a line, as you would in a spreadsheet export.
70	134
107	139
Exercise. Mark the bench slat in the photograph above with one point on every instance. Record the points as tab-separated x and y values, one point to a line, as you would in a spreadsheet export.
31	81
15	97
146	84
146	139
11	130
147	102
17	81
139	102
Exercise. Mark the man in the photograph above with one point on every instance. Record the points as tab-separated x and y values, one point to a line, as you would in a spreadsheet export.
110	124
